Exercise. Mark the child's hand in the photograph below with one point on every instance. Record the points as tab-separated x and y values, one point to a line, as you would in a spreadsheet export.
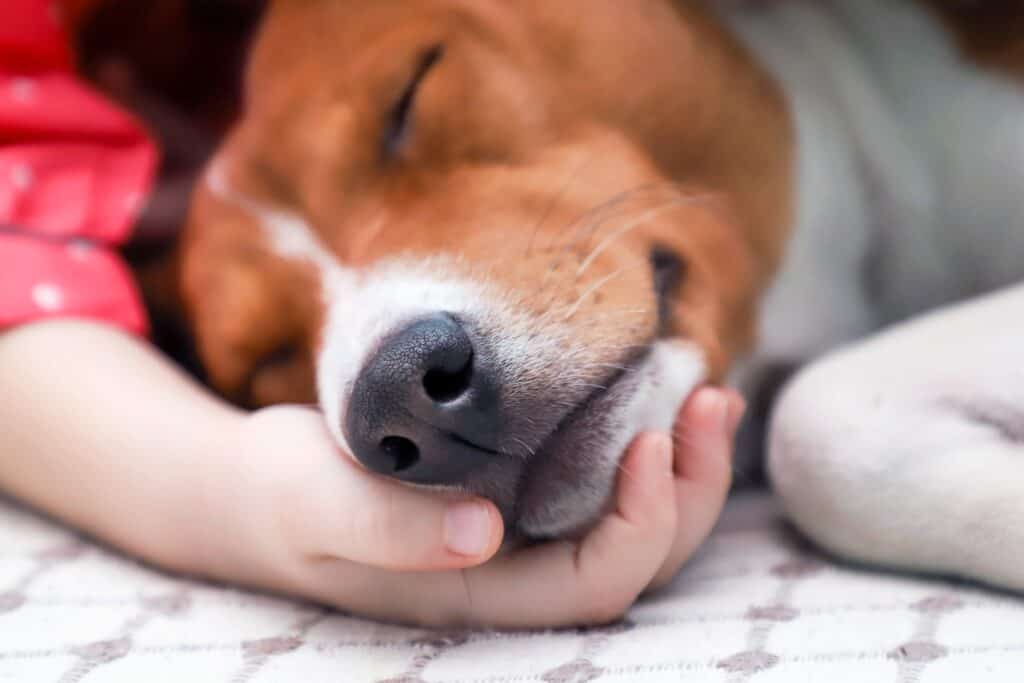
704	439
311	522
115	441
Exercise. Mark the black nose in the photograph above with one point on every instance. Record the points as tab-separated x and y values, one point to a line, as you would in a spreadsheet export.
425	406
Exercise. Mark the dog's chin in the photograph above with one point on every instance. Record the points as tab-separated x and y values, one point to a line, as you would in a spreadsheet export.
568	483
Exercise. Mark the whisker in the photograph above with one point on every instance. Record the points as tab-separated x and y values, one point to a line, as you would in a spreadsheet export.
465	585
600	316
618	347
372	233
585	231
530	452
556	200
625	472
593	288
624	311
577	225
614	366
634	224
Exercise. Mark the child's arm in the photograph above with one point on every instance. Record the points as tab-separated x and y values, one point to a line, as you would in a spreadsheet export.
102	432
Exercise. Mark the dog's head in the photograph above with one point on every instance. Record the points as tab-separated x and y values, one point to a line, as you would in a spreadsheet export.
459	227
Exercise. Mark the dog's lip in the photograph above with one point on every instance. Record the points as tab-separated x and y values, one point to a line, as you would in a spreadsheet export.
576	414
620	373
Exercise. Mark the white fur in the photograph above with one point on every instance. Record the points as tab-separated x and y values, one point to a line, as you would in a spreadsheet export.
906	164
908	450
910	163
363	307
673	371
667	377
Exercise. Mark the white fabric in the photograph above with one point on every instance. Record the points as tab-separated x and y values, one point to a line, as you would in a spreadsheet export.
756	604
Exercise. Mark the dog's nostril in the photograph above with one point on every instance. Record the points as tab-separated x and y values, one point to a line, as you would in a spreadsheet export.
402	452
425	407
444	386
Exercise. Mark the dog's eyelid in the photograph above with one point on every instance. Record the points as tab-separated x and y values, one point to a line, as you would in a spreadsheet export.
668	270
399	121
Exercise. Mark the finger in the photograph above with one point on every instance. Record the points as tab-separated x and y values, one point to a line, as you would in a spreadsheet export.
336	509
596	580
704	439
706	426
550	585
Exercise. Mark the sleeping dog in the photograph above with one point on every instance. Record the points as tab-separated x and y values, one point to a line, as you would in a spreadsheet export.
495	240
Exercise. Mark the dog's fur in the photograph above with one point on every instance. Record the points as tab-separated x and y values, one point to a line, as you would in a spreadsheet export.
573	222
901	451
611	191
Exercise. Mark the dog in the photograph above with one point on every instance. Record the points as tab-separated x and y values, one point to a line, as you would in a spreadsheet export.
493	241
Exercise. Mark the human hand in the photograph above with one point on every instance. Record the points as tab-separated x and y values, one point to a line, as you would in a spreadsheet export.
308	522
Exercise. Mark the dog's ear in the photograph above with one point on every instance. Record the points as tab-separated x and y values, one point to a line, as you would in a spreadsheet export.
216	281
707	274
254	316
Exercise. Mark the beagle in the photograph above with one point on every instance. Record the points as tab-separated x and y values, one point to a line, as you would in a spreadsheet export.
493	241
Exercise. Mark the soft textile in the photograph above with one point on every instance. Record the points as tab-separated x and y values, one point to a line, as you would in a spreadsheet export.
756	605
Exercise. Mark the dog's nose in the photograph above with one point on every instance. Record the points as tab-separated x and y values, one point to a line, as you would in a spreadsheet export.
425	407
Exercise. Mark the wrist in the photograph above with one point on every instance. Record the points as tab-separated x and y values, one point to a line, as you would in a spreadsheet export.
232	528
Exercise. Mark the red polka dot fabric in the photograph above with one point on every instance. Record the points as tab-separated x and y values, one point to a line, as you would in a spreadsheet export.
74	174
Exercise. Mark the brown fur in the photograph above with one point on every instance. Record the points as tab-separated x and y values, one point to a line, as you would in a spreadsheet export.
521	132
991	32
538	113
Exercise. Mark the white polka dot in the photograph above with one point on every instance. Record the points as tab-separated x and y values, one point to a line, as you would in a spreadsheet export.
48	296
23	90
22	177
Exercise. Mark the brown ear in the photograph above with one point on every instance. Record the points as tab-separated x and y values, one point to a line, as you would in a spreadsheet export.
254	316
713	300
181	219
215	233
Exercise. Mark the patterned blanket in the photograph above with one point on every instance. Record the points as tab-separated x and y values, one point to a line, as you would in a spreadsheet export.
756	605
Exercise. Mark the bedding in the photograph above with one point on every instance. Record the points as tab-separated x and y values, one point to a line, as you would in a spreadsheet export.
757	604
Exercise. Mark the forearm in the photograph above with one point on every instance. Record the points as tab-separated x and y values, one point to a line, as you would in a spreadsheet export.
99	430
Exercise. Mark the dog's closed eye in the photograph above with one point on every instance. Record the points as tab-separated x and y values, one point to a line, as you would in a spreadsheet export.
400	119
668	270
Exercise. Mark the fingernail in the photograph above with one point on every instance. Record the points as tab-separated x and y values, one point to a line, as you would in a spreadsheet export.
467	529
716	405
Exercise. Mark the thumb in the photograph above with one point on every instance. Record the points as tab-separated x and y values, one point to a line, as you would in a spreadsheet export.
346	512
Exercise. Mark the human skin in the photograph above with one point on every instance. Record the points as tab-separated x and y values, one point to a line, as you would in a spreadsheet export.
116	441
